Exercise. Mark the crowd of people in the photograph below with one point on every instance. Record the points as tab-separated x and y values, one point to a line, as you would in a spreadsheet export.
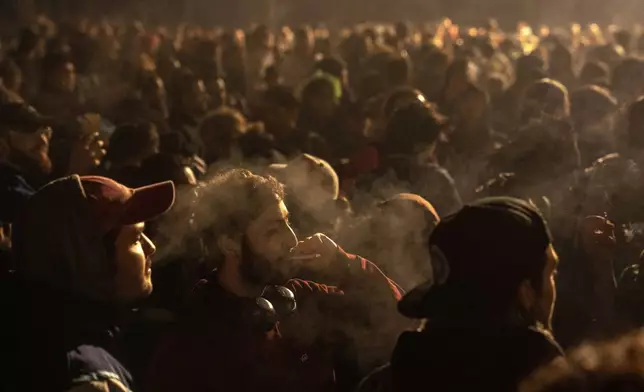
386	207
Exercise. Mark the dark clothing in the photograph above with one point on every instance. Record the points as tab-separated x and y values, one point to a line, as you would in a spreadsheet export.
630	295
587	304
464	357
64	107
555	197
57	341
613	185
14	192
298	141
186	126
398	174
127	175
467	154
219	343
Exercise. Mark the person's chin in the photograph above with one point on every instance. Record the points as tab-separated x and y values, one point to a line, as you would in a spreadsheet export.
147	288
45	164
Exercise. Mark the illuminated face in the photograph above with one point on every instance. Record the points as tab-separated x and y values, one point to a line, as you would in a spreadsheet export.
34	146
133	252
545	306
266	246
66	78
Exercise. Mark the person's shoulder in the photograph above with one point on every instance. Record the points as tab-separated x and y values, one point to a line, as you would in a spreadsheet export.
434	168
10	174
434	175
630	280
500	184
540	342
308	287
89	363
99	386
612	166
379	380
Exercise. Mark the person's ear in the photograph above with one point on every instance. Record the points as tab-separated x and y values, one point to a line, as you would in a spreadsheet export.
526	295
229	246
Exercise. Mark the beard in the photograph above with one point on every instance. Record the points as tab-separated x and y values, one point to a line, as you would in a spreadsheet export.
257	269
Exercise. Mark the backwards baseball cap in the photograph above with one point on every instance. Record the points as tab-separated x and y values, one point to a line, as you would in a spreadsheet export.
480	256
20	117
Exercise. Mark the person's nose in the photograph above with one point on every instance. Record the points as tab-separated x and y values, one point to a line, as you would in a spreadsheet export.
45	134
148	246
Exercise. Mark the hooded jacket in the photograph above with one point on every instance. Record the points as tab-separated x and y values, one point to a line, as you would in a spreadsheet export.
60	296
59	341
455	357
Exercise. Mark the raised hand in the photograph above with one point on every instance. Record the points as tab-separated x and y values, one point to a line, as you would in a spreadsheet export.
86	154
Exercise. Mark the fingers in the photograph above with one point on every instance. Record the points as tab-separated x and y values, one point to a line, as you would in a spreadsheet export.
91	148
308	246
305	246
86	138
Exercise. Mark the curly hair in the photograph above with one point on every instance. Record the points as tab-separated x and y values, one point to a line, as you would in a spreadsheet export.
232	199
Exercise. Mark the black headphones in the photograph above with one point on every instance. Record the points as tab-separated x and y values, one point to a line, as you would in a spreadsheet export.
274	304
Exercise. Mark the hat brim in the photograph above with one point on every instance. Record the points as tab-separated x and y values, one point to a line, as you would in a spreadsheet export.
148	202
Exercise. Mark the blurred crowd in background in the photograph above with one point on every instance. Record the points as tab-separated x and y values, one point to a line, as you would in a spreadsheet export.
381	136
331	13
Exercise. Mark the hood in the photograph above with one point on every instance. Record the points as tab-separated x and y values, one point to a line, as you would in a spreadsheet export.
455	357
59	247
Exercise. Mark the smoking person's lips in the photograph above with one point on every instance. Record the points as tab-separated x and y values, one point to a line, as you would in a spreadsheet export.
148	265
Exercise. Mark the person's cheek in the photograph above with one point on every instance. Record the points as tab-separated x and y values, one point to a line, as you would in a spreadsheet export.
136	264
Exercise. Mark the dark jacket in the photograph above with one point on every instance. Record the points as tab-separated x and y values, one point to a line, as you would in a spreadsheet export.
56	341
217	344
62	302
298	141
464	357
14	192
186	126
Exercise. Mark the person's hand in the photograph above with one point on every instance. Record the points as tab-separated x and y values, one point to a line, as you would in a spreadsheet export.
597	238
198	164
90	123
86	154
317	251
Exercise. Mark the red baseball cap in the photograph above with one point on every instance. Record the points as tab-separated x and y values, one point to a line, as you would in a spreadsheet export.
113	204
58	234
